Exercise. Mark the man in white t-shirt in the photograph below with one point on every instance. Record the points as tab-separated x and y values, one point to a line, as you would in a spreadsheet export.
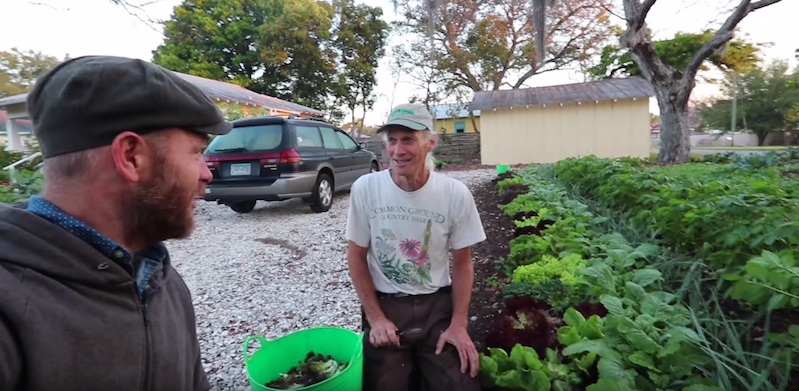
402	227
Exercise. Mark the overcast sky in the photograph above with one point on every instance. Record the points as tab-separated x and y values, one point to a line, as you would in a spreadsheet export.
83	27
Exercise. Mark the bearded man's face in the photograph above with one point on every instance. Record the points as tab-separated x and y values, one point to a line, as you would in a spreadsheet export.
162	206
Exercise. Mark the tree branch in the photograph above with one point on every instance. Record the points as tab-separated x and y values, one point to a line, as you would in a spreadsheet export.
47	5
610	11
762	3
520	83
642	49
724	34
131	9
642	12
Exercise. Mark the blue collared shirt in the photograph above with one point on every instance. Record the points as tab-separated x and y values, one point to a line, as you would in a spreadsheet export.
141	265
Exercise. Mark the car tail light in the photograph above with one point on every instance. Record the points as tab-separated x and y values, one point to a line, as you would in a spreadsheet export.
212	164
290	156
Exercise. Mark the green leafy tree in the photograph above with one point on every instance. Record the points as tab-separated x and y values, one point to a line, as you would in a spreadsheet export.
767	101
672	85
616	61
297	44
19	70
360	39
298	50
218	39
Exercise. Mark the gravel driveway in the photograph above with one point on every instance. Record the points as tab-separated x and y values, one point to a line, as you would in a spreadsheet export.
270	272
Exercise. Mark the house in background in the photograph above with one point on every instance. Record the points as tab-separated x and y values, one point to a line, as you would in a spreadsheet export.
16	130
248	103
454	118
24	128
232	99
606	118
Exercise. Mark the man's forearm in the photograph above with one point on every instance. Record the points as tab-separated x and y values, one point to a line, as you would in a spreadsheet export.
462	282
362	281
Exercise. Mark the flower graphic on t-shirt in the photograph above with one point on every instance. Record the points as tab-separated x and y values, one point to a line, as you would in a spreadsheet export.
410	247
407	261
388	234
423	258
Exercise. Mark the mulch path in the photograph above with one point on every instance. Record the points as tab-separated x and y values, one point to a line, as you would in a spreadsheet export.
486	298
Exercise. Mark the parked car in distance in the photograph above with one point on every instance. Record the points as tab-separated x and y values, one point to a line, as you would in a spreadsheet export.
274	158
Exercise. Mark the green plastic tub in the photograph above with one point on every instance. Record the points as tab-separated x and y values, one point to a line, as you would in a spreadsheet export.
279	355
501	169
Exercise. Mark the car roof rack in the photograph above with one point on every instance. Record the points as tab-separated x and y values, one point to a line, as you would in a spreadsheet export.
295	116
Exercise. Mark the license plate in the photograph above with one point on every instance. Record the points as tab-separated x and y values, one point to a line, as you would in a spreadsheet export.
240	169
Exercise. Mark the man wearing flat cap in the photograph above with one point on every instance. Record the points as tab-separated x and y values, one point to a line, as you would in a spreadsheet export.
88	297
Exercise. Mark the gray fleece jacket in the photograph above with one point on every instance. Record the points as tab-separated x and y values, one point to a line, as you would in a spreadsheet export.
70	319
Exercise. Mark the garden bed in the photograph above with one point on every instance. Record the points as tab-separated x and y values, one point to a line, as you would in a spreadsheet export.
620	288
486	296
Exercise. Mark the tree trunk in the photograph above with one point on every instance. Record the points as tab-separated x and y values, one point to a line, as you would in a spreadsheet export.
675	142
474	123
761	138
363	118
673	87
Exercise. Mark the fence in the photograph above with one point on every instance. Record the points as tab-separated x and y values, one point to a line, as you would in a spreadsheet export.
464	146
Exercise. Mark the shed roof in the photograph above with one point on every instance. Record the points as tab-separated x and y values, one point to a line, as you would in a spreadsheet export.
627	88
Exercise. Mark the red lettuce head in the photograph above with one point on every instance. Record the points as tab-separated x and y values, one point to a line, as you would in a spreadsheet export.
524	321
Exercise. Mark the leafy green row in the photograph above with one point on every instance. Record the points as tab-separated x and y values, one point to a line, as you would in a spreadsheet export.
719	213
645	342
724	217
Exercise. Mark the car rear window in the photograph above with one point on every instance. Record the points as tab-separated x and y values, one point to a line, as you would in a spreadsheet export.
248	139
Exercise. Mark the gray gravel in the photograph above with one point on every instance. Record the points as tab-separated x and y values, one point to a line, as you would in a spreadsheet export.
278	269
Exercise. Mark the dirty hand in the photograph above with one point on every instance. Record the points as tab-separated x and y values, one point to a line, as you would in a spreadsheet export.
383	333
458	337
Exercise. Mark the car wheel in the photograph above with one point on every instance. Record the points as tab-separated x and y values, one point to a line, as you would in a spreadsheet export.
243	206
322	198
374	168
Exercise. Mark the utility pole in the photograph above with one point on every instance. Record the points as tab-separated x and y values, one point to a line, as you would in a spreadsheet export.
734	110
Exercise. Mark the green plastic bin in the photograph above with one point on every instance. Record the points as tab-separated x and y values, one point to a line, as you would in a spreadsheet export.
501	169
279	355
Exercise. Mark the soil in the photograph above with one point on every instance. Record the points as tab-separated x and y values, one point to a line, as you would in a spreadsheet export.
790	174
486	300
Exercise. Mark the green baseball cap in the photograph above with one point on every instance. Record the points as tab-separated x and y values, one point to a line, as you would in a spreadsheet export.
410	115
85	102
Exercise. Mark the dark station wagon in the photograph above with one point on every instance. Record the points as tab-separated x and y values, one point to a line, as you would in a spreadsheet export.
274	158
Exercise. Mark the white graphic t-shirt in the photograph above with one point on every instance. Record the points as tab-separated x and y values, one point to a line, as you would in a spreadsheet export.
409	234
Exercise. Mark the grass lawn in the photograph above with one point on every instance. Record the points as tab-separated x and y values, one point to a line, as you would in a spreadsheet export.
654	155
762	148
